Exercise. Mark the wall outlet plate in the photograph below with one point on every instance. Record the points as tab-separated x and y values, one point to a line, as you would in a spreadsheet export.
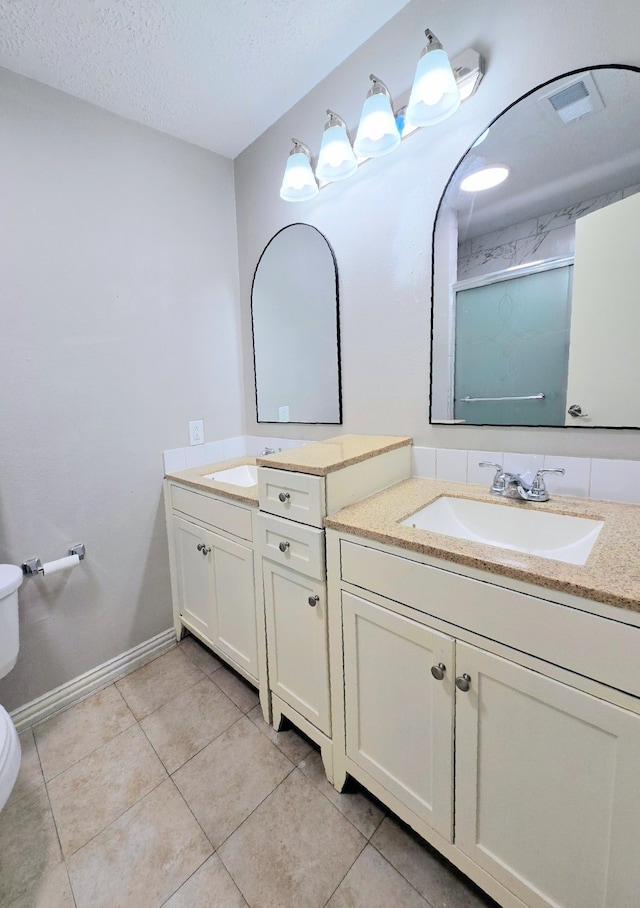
196	432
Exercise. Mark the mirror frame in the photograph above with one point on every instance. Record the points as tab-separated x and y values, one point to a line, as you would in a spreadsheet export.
338	422
573	72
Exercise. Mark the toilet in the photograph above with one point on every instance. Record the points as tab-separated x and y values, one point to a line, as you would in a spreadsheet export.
10	580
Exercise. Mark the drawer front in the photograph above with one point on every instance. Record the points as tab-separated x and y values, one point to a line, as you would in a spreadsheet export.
293	545
231	518
587	644
297	496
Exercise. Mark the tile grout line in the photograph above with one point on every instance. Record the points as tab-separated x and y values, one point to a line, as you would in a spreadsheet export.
89	753
188	687
253	810
349	868
428	903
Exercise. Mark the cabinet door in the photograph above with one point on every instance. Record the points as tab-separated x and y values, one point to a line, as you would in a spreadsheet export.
547	786
193	576
233	597
297	649
216	591
399	717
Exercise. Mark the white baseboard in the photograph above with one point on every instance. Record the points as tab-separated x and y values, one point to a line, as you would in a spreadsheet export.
78	688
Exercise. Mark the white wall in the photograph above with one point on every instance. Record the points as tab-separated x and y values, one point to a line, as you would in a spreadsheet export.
380	222
118	288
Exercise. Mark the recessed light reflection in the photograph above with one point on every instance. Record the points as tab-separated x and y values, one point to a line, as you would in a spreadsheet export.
486	178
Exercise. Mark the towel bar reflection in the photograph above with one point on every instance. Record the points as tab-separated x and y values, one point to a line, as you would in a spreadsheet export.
473	400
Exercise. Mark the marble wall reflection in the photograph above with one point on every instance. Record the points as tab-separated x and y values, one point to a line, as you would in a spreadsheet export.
546	237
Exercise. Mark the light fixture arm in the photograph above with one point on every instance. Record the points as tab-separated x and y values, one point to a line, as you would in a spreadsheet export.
335	120
432	42
378	87
299	147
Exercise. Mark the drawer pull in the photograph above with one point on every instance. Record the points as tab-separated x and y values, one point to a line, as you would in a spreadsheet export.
283	546
463	683
313	601
284	496
200	546
438	671
206	549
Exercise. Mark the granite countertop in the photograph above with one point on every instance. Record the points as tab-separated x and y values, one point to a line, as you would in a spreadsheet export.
195	478
322	457
611	573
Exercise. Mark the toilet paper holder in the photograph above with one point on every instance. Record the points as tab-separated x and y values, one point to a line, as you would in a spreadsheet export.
35	566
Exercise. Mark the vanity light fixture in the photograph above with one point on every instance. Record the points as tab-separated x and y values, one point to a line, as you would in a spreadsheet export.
486	178
336	160
438	89
378	131
298	183
435	94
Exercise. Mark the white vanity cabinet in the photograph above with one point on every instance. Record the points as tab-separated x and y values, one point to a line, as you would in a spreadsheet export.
295	599
213	574
521	771
291	541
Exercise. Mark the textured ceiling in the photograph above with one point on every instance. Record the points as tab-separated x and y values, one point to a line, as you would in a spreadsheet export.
213	72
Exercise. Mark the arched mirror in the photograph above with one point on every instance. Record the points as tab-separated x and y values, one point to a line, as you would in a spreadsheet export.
536	313
296	339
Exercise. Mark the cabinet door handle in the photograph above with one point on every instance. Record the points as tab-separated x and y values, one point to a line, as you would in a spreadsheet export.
463	683
206	550
313	601
200	546
284	496
438	671
283	546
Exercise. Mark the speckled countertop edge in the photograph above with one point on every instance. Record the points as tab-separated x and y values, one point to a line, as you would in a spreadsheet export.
194	477
323	457
610	575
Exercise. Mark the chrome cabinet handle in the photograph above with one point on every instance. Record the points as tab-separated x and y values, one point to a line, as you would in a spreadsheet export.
313	601
283	546
463	683
438	671
284	496
200	546
206	549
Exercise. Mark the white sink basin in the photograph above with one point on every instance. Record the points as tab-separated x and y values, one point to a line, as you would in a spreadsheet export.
245	476
556	536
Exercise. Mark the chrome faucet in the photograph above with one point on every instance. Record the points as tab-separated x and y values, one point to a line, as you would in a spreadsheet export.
514	485
268	451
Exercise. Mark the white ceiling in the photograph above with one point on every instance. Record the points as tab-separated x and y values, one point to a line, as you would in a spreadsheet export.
214	72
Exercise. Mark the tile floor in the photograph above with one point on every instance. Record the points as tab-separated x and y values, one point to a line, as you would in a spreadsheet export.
168	789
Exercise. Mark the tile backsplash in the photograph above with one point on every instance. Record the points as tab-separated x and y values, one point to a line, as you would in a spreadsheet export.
585	477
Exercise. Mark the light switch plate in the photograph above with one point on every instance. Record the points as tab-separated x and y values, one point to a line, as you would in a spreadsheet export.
196	432
283	414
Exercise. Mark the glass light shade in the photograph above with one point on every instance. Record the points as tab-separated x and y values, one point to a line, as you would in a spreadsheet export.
377	133
336	160
298	183
434	95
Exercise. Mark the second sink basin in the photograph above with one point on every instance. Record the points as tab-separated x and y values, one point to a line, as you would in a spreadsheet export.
560	537
245	475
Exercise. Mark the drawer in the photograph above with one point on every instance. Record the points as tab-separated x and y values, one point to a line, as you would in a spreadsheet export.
596	647
297	496
298	547
231	518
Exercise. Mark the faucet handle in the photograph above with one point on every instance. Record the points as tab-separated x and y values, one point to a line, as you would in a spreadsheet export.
497	483
538	491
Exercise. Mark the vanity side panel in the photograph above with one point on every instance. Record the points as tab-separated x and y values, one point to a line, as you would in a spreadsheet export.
367	477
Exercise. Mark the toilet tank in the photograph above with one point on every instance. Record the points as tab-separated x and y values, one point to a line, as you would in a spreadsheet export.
10	580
